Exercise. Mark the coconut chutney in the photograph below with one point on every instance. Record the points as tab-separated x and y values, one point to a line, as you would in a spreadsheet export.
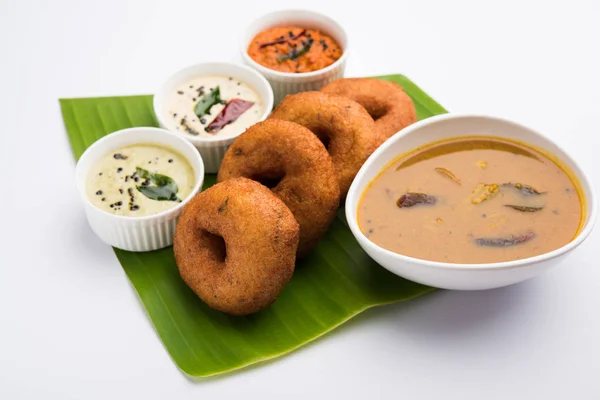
209	106
139	180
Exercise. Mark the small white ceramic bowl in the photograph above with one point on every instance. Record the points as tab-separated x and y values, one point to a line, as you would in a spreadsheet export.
462	276
212	148
144	233
285	83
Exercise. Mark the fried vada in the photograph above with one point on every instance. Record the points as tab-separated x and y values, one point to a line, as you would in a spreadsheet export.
343	125
388	104
291	160
235	246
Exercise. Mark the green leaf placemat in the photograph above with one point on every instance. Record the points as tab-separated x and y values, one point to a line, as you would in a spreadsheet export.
336	282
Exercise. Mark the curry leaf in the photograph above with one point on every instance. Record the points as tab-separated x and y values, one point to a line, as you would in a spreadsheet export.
294	54
511	240
164	189
160	193
523	208
523	189
207	101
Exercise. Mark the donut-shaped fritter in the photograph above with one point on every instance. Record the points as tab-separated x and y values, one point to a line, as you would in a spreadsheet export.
292	161
235	246
388	104
343	125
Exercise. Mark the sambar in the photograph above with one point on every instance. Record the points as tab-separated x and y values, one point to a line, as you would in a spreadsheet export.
474	199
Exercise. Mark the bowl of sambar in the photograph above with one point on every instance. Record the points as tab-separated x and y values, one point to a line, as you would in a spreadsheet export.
470	202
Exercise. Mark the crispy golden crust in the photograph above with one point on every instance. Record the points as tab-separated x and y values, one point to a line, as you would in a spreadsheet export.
296	161
343	124
388	104
235	246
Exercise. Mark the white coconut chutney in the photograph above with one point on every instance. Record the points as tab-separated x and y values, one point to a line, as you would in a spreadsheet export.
125	181
181	106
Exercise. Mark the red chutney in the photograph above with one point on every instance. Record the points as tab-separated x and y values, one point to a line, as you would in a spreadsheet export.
294	49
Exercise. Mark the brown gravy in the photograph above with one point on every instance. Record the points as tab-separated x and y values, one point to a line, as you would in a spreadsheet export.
472	200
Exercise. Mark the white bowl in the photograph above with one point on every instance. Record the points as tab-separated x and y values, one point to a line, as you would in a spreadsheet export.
212	148
285	83
462	276
143	233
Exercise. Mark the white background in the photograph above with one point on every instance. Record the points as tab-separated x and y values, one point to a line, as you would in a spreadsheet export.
71	326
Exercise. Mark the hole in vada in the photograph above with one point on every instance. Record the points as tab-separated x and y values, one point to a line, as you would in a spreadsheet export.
325	140
270	180
377	112
216	244
323	136
376	116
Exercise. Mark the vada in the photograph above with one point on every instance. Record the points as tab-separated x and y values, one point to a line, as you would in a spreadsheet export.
386	102
291	160
235	246
344	126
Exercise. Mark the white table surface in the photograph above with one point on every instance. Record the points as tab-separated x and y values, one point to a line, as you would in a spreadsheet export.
71	326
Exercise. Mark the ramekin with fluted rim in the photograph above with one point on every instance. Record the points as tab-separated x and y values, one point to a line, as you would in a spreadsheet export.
212	148
285	83
453	275
144	233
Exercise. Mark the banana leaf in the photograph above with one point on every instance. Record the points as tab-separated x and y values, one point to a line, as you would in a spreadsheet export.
336	282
